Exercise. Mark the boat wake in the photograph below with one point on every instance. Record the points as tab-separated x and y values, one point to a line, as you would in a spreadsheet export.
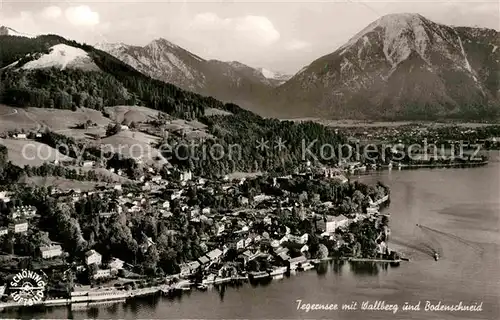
420	246
430	241
433	233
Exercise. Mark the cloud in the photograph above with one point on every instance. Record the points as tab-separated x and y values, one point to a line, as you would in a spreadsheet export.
52	12
210	19
257	27
82	16
296	45
256	30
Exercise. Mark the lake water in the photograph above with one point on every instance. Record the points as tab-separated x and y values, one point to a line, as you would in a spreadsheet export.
460	212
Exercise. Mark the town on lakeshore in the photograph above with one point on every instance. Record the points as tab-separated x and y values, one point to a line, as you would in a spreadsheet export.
173	231
167	229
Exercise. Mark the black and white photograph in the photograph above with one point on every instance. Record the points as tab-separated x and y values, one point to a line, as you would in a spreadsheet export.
250	159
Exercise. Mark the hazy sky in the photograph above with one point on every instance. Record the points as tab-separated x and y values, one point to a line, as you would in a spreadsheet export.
281	36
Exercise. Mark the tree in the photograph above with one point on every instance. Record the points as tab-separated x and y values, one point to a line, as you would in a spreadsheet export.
3	156
264	265
231	255
253	265
322	252
358	198
313	243
349	237
113	129
356	250
91	270
151	258
385	221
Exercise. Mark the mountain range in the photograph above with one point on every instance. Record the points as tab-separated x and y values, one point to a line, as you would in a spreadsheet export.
401	66
165	61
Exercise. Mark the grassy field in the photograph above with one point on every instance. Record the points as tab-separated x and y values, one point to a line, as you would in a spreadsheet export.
241	175
89	133
130	114
216	112
67	184
192	129
106	173
132	144
54	119
12	119
66	119
28	152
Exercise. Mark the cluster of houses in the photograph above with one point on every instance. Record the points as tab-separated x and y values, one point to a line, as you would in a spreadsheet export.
231	231
94	258
19	218
236	230
24	136
247	242
419	133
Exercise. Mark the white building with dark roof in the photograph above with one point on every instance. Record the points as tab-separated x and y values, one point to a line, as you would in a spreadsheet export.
333	223
19	226
51	251
214	254
93	256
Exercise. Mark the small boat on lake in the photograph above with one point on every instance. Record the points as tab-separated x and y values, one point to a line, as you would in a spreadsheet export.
258	275
165	289
183	289
306	266
278	272
202	287
210	279
222	280
436	256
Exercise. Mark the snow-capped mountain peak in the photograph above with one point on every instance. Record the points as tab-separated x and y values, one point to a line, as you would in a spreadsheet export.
162	42
237	65
397	19
401	34
162	60
278	77
6	31
64	57
401	65
268	73
106	46
166	61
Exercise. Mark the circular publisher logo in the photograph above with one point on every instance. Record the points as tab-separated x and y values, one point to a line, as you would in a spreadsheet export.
27	287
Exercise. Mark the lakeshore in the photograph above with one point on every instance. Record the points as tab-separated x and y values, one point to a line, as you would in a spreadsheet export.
426	197
293	219
439	165
363	169
84	299
88	298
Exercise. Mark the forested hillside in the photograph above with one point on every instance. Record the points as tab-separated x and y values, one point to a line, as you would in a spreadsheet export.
118	83
249	143
237	135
